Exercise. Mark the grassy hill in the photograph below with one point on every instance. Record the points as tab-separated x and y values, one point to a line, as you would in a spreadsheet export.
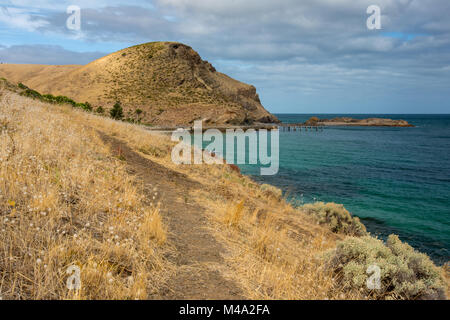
160	83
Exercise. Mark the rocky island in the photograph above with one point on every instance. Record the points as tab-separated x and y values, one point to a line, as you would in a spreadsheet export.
347	121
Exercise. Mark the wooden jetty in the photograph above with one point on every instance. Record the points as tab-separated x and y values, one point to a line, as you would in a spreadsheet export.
299	128
281	127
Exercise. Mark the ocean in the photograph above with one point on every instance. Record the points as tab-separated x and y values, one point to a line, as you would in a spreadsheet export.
397	180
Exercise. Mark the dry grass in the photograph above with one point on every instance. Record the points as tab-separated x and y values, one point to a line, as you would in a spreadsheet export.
274	251
169	82
65	201
152	228
233	214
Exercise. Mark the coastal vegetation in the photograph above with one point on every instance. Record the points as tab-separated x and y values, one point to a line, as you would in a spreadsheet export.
336	217
404	272
79	189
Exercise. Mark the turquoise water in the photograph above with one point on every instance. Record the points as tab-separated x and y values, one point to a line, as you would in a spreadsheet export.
397	180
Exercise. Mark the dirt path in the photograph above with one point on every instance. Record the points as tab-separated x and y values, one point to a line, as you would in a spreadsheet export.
199	255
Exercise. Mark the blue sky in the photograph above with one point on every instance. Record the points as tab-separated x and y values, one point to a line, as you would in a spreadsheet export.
309	56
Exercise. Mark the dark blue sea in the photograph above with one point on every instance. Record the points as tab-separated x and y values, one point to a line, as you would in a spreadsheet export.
397	180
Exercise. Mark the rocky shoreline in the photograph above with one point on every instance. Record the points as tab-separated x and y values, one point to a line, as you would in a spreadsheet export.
347	121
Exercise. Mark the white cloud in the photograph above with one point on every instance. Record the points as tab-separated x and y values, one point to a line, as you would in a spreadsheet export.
317	45
21	18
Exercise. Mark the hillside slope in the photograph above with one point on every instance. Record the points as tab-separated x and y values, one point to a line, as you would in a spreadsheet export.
168	81
79	190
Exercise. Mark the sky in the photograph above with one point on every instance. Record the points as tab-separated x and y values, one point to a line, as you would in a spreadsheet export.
303	56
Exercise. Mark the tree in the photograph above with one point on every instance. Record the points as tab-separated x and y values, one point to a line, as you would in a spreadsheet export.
116	112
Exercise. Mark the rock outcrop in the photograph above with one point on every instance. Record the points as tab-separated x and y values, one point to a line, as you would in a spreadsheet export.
346	121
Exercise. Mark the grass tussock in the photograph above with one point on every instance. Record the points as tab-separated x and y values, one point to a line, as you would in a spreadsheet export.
152	228
66	202
233	214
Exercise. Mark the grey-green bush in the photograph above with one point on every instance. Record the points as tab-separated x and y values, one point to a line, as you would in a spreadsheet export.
405	273
336	217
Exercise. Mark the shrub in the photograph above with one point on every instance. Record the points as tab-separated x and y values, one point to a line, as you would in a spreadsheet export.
32	94
22	86
405	273
64	99
87	106
116	112
48	98
336	217
138	111
100	110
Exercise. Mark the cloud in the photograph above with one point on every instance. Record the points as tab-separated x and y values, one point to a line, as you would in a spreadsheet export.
45	54
308	46
20	18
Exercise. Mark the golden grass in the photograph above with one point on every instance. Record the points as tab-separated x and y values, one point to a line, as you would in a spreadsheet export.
233	214
274	250
66	201
152	228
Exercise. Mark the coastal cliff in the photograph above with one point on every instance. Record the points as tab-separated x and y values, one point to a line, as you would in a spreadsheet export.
157	83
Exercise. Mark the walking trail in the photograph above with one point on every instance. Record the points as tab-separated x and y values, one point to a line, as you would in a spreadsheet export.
198	254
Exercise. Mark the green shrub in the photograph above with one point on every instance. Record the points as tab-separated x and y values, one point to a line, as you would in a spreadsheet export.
138	111
116	112
32	94
22	86
336	217
405	273
100	110
87	106
64	99
48	98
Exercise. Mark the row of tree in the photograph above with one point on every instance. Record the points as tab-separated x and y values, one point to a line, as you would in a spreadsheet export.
116	112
